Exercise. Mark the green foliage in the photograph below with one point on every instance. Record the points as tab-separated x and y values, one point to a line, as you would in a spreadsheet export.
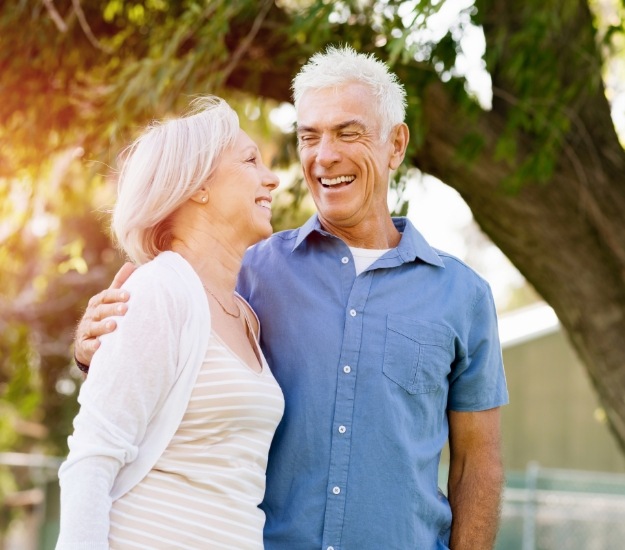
20	396
77	86
20	389
547	91
51	232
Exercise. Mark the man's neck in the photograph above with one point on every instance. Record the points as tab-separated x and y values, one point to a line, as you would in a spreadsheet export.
380	235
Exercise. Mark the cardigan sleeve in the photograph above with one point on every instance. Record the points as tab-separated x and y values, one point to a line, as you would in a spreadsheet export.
129	379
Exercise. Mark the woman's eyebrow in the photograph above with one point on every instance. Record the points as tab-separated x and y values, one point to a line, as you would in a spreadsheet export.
250	149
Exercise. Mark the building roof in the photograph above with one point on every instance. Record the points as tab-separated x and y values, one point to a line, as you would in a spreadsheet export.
527	323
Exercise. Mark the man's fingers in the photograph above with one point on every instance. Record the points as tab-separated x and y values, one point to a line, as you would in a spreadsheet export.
112	295
97	318
96	321
115	296
122	275
98	328
89	347
87	335
84	349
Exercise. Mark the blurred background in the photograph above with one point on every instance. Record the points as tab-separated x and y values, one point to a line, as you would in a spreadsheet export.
517	116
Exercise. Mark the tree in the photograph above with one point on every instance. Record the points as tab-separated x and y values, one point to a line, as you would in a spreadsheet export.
563	228
542	168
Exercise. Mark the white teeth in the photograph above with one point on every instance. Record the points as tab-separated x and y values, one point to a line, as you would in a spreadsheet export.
264	203
336	181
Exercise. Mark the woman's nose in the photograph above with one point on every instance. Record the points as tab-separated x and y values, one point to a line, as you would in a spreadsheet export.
271	180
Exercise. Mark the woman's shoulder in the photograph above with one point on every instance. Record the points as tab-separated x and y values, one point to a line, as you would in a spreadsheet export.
167	270
167	277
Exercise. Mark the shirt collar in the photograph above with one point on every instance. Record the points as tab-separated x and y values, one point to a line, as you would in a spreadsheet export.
411	246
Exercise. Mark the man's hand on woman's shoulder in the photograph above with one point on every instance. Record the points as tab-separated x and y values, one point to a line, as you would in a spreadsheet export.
96	319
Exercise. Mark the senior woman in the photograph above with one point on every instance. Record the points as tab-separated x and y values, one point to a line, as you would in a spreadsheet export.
176	417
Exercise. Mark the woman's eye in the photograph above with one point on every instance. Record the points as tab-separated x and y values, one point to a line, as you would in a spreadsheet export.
252	160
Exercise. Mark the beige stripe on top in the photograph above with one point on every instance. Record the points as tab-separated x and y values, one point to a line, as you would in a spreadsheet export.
205	489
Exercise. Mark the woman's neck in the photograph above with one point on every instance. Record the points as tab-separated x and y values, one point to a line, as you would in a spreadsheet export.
216	262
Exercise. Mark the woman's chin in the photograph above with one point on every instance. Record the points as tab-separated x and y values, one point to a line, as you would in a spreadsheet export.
264	233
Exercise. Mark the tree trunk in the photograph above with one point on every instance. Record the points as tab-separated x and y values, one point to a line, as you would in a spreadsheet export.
566	235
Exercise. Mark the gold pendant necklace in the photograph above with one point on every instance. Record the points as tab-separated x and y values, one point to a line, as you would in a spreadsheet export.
235	315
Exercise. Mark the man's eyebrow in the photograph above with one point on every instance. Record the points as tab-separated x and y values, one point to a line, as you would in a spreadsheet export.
341	126
302	129
348	123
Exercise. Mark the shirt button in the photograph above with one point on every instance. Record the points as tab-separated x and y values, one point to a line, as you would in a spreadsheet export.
344	259
352	312
330	548
336	490
342	429
347	369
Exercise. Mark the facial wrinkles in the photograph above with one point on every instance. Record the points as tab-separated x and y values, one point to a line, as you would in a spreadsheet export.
371	154
372	185
350	149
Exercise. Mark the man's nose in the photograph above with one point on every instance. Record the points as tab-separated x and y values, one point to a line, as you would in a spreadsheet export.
327	151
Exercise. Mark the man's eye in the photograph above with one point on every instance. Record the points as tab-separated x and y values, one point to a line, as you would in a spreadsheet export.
252	160
349	135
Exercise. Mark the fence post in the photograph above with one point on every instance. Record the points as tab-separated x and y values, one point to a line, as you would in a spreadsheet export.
529	508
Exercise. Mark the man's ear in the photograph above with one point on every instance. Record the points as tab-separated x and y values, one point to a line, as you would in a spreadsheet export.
400	135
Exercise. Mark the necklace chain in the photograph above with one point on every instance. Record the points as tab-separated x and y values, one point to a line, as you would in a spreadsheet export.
238	313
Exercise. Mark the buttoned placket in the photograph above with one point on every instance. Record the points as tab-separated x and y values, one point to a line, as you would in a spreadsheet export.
337	491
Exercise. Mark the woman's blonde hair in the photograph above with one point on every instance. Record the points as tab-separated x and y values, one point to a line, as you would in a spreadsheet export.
165	167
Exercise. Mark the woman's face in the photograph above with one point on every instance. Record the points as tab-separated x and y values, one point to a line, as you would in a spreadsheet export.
240	190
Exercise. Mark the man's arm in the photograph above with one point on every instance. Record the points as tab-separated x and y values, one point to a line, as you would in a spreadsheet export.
475	478
95	322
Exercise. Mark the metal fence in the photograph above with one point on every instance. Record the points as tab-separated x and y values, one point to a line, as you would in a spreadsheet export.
33	505
551	509
543	508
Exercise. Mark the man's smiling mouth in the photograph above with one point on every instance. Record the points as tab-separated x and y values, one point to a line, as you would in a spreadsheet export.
331	182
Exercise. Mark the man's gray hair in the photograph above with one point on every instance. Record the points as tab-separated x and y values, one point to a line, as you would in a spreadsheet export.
337	66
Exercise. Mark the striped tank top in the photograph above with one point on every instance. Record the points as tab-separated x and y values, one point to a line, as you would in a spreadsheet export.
204	490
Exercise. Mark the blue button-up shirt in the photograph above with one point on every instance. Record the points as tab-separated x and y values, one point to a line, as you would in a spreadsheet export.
369	366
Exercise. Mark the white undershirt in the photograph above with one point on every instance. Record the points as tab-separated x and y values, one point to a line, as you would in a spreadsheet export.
364	257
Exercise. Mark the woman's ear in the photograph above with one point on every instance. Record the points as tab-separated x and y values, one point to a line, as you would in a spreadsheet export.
400	135
200	196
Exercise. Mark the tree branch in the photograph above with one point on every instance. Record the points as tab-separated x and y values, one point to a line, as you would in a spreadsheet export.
247	41
87	29
55	16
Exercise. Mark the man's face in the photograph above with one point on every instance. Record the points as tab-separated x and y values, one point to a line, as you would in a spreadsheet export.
345	163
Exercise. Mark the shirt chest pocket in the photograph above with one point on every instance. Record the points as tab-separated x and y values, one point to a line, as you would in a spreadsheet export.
417	354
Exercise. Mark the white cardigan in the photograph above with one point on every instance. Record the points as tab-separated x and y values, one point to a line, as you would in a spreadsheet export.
135	396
